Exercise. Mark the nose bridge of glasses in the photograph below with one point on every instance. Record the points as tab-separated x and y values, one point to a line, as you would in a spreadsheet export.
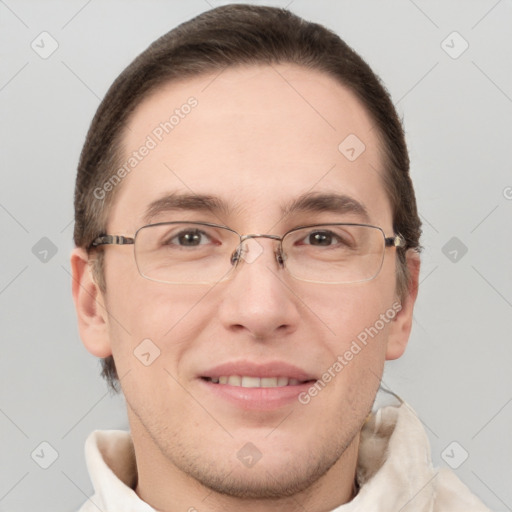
243	238
250	249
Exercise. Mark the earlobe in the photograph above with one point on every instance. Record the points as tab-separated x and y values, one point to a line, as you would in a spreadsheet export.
90	309
401	325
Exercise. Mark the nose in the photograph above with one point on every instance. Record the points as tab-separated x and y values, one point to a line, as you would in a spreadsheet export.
258	299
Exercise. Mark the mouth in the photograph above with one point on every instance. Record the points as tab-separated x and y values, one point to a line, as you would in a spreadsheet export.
250	386
246	381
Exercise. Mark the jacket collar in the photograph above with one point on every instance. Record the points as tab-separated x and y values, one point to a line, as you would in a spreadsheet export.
394	468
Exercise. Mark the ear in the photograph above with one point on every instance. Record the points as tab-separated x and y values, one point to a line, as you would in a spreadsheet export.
89	305
401	325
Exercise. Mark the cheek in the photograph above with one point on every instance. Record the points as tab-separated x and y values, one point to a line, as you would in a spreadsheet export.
147	317
346	310
142	308
357	355
355	320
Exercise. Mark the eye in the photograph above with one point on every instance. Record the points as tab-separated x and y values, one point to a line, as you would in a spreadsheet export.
322	239
189	238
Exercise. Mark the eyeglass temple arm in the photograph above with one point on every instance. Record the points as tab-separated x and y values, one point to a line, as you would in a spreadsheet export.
397	241
112	240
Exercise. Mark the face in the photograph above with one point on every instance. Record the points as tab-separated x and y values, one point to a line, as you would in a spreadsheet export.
257	139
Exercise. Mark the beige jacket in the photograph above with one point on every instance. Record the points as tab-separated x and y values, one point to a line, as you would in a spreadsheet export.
394	471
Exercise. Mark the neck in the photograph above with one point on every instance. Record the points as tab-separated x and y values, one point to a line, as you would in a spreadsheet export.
166	488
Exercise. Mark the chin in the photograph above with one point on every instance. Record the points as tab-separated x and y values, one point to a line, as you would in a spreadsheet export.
267	481
277	473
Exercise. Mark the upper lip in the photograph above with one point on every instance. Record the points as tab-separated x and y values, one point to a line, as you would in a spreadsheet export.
251	369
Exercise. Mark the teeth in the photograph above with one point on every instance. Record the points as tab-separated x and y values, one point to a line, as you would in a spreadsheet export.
251	382
269	382
235	380
254	382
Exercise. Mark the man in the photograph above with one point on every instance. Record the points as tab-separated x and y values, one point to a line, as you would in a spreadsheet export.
247	259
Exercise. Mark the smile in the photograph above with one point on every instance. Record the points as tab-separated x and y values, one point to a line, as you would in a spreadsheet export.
254	382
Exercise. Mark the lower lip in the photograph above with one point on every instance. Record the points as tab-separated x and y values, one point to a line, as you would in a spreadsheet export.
257	398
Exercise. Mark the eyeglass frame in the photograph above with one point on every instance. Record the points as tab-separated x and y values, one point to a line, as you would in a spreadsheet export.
397	240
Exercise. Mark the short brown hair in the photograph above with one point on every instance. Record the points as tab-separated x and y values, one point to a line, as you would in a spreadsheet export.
229	36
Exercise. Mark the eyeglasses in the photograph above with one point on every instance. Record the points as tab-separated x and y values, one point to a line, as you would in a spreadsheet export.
204	253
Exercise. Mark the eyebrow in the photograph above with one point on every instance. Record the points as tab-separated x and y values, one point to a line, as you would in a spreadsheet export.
331	202
180	202
306	203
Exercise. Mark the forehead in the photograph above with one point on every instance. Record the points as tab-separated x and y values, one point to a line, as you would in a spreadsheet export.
256	137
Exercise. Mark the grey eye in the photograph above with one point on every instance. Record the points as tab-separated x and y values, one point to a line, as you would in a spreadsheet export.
322	238
190	238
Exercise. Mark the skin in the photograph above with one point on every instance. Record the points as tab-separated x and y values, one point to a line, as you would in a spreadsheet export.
259	137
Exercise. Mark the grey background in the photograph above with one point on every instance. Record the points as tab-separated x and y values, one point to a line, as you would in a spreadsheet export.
458	118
